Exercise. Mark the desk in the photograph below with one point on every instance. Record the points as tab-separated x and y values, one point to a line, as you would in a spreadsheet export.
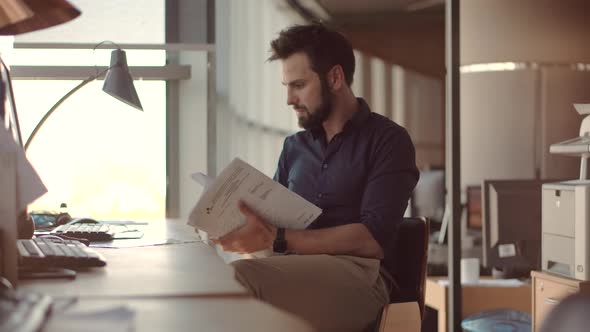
173	287
198	314
172	270
476	299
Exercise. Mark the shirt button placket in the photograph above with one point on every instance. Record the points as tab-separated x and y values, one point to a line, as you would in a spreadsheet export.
322	179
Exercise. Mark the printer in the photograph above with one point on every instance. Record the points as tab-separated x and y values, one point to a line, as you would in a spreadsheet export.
565	240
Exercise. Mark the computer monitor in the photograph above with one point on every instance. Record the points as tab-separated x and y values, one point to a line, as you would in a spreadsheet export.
512	226
428	199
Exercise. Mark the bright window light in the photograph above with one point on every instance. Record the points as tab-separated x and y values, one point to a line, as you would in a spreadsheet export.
102	157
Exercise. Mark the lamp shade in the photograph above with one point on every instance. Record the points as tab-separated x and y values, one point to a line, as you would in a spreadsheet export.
13	11
118	81
42	14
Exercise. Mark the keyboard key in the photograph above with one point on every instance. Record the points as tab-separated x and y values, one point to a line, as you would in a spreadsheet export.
31	248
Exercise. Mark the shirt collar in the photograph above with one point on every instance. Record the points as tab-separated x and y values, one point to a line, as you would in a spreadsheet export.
359	117
355	123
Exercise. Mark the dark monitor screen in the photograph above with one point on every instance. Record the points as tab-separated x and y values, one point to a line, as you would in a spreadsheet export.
512	224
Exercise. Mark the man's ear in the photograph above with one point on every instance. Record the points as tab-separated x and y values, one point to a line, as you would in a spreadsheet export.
335	78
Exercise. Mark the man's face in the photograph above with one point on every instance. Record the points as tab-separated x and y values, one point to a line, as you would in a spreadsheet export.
306	92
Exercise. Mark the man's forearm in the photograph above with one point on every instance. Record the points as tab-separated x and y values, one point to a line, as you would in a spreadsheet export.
351	239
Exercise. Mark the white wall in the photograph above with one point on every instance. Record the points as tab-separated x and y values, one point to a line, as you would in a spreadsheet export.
191	121
510	118
253	116
497	126
423	116
192	129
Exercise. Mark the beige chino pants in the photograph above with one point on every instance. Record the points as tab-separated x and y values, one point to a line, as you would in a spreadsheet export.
333	293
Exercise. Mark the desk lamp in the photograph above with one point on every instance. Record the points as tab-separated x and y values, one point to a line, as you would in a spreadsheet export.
117	83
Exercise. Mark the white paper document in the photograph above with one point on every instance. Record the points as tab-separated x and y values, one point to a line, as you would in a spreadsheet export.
113	319
217	213
203	179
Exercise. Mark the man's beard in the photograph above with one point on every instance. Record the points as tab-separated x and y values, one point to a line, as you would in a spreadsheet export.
321	113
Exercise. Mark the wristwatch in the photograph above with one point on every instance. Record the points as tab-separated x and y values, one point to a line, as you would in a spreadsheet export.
279	245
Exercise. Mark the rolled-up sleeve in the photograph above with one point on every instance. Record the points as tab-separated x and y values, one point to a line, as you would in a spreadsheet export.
390	181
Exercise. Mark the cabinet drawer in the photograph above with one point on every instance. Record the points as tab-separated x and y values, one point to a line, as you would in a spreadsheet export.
547	295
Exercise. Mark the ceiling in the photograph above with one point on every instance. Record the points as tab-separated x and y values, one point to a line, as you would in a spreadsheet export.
409	33
355	7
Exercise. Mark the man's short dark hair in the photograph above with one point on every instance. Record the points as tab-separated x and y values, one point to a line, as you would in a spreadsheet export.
325	48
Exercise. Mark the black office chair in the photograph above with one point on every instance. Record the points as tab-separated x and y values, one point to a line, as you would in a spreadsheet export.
409	270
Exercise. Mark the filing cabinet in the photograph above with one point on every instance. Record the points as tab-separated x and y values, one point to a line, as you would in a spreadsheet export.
548	290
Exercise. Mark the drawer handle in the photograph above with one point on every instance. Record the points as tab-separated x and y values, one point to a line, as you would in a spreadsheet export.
551	301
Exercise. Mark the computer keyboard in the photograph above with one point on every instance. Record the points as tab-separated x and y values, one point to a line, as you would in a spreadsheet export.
23	311
54	252
90	232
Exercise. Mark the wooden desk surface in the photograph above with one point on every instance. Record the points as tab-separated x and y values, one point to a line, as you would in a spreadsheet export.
476	298
190	269
197	314
173	287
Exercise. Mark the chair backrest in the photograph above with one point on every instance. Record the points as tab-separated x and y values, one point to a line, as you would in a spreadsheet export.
411	253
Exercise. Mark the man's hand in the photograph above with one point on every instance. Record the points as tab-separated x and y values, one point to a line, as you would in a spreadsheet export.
254	235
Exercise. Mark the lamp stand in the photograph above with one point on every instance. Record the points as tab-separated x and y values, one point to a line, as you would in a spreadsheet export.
59	102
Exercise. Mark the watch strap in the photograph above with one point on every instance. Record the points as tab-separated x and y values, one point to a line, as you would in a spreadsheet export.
280	243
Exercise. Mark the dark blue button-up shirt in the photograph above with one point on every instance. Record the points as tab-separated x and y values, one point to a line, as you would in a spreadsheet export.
365	174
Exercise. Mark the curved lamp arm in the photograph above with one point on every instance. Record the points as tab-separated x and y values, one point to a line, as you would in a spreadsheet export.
59	102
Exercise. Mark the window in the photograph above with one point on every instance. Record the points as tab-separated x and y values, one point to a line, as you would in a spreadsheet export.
103	158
